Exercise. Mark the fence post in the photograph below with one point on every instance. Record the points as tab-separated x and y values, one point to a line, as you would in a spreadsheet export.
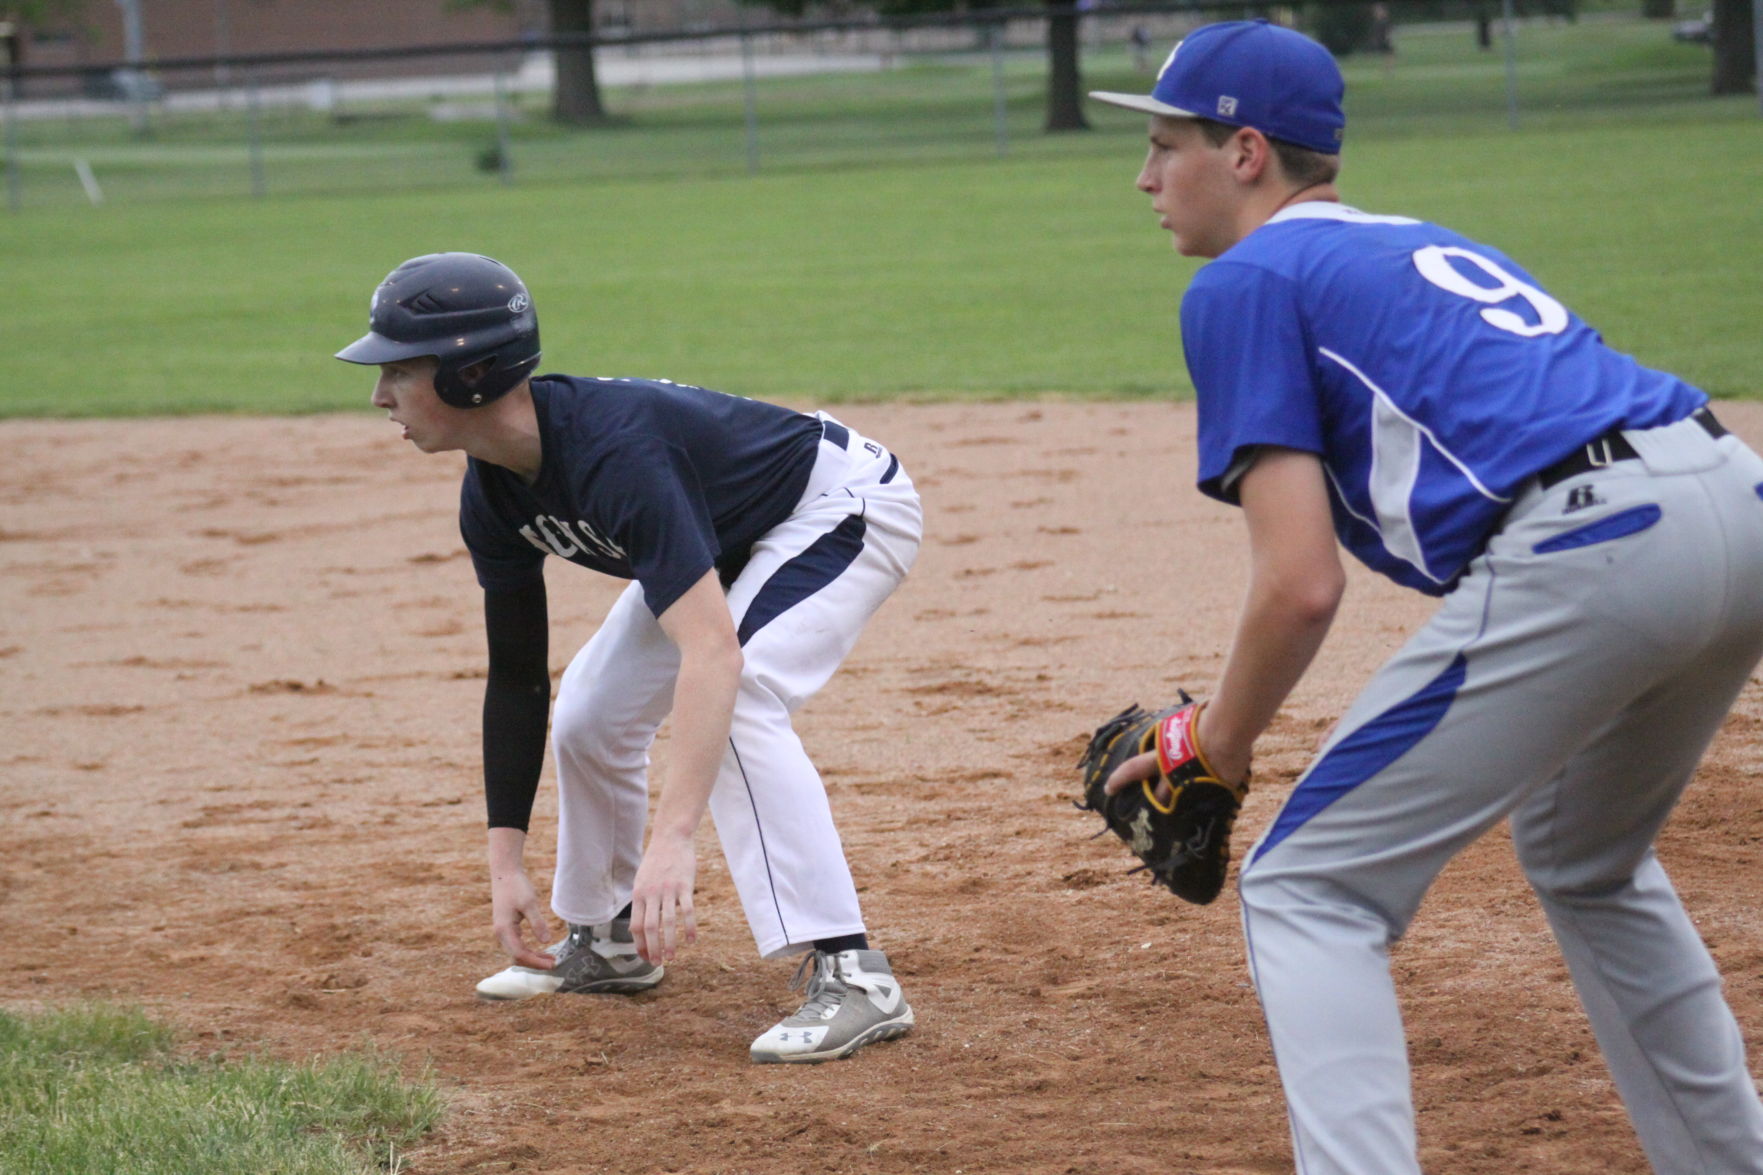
504	141
1510	35
1000	113
9	118
1757	40
255	133
750	97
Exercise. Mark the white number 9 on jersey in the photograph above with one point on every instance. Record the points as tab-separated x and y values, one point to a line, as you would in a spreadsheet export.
1434	265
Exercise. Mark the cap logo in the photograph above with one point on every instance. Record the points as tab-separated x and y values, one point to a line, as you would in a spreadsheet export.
1227	106
517	303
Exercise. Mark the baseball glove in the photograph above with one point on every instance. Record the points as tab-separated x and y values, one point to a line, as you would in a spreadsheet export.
1185	843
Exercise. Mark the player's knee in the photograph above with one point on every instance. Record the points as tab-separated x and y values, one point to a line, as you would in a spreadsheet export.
588	740
1571	879
1316	903
763	690
1565	887
1254	888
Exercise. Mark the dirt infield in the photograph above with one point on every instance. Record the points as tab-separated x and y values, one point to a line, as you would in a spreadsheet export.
243	661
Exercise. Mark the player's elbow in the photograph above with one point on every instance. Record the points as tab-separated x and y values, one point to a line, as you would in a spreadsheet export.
729	655
1308	598
715	653
1317	600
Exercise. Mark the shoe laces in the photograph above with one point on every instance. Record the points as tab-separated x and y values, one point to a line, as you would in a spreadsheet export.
826	988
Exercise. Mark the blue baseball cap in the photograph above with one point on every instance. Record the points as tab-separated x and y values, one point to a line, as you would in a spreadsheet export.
1254	74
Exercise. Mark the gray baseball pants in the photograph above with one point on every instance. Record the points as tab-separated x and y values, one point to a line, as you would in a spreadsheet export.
1570	682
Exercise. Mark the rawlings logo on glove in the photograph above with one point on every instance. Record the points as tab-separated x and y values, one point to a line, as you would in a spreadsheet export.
1178	823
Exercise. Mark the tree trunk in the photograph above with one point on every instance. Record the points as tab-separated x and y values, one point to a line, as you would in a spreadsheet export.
1735	49
576	96
1065	111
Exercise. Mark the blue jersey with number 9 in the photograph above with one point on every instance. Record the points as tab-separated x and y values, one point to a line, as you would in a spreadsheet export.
1430	373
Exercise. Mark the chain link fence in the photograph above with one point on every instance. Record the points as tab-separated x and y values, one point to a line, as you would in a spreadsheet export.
760	97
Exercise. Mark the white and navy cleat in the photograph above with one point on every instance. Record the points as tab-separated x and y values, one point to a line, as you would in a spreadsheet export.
591	960
853	1000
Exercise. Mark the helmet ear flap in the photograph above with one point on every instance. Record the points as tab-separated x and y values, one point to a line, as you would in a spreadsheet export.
487	377
463	385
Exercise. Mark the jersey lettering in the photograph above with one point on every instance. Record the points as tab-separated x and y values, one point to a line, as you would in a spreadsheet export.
542	535
1434	265
590	539
526	532
564	550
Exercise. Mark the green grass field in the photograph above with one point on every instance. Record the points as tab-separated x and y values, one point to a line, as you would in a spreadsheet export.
95	1088
879	252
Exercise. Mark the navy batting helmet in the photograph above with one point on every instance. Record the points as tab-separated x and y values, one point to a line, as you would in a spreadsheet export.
464	310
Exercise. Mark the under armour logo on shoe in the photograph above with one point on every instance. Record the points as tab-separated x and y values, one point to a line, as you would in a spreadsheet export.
885	997
1582	498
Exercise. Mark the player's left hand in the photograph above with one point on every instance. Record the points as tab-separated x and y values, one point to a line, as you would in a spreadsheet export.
661	902
1179	827
1232	766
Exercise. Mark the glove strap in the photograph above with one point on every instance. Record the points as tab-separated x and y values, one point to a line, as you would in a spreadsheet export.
1178	740
1178	743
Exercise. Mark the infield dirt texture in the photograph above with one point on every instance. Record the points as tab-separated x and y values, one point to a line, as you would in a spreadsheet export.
243	662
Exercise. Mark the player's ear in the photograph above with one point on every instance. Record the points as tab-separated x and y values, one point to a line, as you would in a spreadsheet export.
470	375
1251	154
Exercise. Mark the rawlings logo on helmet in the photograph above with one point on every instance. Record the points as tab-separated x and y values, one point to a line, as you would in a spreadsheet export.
518	303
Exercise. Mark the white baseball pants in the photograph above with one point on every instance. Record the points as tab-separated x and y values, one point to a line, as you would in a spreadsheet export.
1571	682
810	585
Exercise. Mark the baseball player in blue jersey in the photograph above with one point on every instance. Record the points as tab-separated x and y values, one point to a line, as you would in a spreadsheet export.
1595	537
760	541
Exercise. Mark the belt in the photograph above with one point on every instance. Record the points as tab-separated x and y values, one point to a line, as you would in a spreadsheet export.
1611	448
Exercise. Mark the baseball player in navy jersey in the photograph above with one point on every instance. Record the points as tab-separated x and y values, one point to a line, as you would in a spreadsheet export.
1596	540
760	540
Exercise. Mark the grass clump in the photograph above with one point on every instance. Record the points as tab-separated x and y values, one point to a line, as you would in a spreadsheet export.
98	1088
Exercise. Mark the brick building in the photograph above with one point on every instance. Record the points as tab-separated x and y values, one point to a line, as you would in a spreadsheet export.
92	31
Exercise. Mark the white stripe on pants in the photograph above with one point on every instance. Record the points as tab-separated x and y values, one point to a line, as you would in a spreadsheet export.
768	804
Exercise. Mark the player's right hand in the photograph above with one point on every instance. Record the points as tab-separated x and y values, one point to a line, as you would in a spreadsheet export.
519	919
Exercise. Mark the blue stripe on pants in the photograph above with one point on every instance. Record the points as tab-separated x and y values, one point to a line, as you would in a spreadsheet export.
1366	751
818	565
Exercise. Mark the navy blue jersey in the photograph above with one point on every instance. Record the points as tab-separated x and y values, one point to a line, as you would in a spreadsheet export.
1430	373
641	479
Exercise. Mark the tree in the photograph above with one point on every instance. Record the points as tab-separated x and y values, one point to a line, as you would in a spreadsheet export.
1065	109
575	92
1735	47
1342	28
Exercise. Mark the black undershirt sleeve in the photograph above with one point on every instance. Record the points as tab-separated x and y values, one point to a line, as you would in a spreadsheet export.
517	701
